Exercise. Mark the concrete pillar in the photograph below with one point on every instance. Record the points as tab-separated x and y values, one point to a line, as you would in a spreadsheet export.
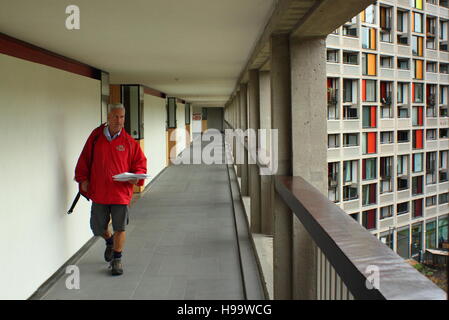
254	125
244	122
266	181
238	126
281	121
309	134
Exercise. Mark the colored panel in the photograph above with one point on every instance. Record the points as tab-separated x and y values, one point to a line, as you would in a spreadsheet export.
383	90
363	16
364	169
413	92
418	69
363	90
371	64
371	142
373	117
373	38
419	139
418	4
420	116
420	46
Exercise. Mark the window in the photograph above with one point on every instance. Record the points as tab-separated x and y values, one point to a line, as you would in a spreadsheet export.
349	90
417	46
403	111
444	133
431	134
417	116
387	238
369	38
386	62
442	231
443	198
444	68
333	178
386	212
333	141
403	136
430	32
369	65
350	193
386	137
402	23
350	28
418	92
369	219
369	169
431	201
350	170
402	208
385	24
332	98
431	165
431	100
355	216
369	143
386	171
369	91
369	116
403	63
418	25
431	66
431	234
350	112
402	92
403	242
417	162
402	165
417	185
350	139
332	55
350	57
369	15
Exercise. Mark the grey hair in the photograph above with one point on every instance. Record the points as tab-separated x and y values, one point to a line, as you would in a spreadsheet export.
114	106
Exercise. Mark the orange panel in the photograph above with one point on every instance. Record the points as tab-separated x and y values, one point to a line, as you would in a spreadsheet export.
420	46
372	64
363	90
418	69
420	116
413	92
371	142
363	16
373	38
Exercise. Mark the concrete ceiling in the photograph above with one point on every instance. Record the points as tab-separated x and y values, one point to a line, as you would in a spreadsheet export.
192	49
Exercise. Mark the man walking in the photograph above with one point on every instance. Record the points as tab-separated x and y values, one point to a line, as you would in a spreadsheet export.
109	151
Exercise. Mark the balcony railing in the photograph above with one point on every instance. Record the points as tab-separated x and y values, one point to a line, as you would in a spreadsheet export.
350	251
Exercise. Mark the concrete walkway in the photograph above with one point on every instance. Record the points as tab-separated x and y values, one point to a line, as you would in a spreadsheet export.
181	243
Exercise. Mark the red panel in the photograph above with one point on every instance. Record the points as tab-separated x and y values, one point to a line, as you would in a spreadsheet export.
419	139
373	116
22	50
413	92
371	142
383	90
371	221
363	90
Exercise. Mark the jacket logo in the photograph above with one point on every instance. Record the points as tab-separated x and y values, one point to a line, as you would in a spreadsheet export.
120	148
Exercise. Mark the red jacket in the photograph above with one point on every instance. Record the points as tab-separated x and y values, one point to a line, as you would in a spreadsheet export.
123	154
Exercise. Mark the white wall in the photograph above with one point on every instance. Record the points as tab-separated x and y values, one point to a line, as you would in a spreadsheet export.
46	117
196	124
155	115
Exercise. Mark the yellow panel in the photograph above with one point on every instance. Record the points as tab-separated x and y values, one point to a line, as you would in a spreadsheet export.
371	64
363	16
418	4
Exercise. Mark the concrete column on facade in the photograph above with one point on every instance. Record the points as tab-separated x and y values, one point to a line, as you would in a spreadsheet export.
281	121
244	122
266	181
254	125
309	134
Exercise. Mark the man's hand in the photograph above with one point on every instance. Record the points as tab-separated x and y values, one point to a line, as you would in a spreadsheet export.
133	181
85	186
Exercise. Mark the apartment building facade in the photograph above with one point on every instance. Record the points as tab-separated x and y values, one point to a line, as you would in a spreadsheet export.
388	139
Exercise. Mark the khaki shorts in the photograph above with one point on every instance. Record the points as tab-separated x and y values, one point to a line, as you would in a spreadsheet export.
100	215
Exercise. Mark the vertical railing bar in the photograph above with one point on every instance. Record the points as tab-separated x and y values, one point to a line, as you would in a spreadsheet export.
337	287
332	283
318	278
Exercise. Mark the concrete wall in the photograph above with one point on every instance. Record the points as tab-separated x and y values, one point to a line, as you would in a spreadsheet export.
46	117
155	115
215	118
